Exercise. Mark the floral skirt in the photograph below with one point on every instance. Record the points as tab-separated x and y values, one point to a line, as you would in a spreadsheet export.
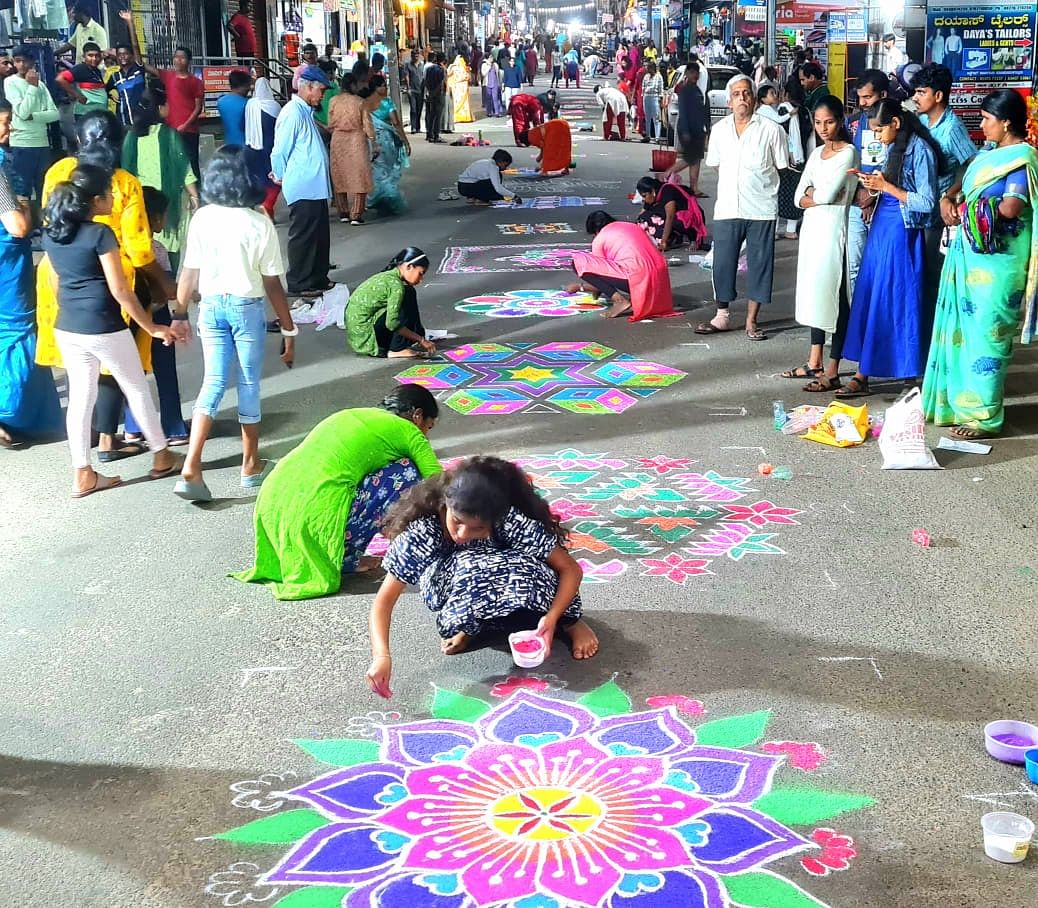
372	500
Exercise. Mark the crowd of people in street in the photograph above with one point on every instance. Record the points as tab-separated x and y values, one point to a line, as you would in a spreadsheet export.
918	259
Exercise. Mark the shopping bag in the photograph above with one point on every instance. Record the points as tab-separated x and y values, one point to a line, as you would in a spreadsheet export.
902	440
663	159
841	426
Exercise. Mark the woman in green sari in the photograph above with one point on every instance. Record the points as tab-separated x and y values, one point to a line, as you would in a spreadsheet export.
323	503
990	276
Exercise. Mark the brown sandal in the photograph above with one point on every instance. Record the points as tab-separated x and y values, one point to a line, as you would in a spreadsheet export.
856	387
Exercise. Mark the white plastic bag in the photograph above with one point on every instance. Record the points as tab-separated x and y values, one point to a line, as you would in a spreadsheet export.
903	438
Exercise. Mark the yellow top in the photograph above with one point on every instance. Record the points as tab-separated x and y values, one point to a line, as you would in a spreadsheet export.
129	223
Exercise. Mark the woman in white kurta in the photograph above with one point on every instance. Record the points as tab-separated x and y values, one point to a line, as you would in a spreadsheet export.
825	191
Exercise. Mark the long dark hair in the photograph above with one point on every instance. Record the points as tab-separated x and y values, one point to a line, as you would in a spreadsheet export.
71	203
484	488
411	255
883	113
835	106
100	137
406	400
146	111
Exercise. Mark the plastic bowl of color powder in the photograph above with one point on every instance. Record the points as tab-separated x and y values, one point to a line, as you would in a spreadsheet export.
1008	740
527	648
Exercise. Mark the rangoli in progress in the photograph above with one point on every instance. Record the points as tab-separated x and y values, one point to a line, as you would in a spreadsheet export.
526	257
659	516
527	229
543	802
557	201
580	377
523	303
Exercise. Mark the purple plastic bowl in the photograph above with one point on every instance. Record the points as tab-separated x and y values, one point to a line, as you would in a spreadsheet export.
1008	740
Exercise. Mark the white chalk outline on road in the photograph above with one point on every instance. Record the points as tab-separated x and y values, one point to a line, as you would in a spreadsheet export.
763	453
870	659
728	411
990	796
695	344
247	673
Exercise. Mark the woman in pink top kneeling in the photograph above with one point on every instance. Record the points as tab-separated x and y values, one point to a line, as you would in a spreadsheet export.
625	265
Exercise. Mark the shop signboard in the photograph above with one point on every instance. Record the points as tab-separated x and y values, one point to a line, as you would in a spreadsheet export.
856	32
837	28
985	47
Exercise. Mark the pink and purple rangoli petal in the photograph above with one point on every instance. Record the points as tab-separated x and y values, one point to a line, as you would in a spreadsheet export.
544	803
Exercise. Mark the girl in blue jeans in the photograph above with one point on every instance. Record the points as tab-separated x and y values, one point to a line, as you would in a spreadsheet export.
232	259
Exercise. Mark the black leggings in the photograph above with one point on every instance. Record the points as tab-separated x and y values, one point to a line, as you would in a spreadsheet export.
839	335
607	285
410	318
481	190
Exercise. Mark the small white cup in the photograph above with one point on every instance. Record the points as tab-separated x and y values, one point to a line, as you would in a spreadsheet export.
530	659
1007	836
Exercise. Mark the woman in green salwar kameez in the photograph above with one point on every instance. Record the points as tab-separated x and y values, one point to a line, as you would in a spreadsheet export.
322	504
985	294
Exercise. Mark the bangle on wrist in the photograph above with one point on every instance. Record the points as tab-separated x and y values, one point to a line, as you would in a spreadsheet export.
179	316
293	332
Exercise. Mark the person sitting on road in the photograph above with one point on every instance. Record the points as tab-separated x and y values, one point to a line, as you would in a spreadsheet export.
624	265
480	182
382	318
525	111
487	553
324	501
550	102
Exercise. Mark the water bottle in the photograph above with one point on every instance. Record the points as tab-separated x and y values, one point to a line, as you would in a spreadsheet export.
480	134
778	414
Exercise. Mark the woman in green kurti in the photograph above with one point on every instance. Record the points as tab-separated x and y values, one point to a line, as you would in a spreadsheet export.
323	503
154	153
989	283
382	318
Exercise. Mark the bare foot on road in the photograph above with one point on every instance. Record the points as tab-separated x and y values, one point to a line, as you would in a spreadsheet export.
456	644
582	640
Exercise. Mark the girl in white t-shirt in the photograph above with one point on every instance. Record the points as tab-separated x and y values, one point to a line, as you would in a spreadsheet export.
233	260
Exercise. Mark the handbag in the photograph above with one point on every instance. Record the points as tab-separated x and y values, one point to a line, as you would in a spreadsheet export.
663	158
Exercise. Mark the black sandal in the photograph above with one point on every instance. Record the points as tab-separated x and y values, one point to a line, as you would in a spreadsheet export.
804	371
128	450
856	387
823	384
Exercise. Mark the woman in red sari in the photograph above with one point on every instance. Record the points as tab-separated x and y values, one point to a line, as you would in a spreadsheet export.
625	265
526	112
556	144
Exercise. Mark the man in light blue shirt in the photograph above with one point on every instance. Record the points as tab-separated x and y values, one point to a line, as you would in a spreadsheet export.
299	164
931	90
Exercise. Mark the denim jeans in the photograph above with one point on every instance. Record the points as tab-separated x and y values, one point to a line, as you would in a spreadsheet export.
857	233
232	329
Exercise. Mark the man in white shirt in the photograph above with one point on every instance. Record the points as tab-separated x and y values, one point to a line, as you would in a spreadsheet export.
953	52
480	182
748	152
896	58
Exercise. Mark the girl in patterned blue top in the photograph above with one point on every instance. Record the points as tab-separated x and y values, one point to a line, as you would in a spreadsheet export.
483	547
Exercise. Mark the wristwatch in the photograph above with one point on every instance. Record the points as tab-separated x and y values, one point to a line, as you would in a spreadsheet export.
179	316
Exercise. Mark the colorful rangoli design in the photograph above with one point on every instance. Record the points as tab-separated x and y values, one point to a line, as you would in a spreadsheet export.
541	802
656	515
580	377
528	229
524	303
557	201
527	257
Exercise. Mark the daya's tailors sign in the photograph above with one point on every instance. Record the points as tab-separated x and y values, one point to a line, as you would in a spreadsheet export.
985	48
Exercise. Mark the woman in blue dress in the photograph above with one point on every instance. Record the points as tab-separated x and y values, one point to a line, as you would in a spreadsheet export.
29	405
394	150
885	334
485	551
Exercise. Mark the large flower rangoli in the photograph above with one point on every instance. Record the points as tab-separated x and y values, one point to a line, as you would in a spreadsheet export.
545	803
